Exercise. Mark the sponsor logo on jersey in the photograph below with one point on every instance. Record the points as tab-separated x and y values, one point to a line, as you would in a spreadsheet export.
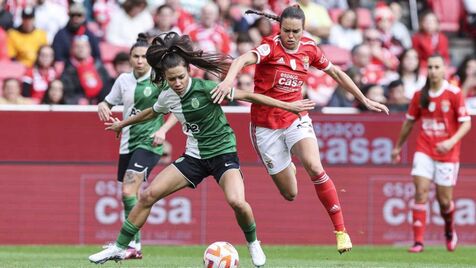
289	82
147	91
281	60
305	62
445	105
264	50
195	103
193	128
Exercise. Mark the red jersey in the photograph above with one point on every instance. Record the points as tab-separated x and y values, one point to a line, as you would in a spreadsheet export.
440	120
280	74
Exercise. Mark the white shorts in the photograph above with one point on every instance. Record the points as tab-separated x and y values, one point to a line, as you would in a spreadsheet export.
441	173
274	145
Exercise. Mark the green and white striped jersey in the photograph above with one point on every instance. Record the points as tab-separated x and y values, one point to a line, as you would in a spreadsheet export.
204	122
136	94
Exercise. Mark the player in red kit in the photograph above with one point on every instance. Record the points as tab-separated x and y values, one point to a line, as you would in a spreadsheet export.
444	121
282	64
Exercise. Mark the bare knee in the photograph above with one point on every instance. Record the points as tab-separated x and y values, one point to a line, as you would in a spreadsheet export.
445	204
237	204
314	168
147	199
421	196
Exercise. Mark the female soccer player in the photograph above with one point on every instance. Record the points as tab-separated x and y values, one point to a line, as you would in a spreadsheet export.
441	108
211	143
139	150
282	64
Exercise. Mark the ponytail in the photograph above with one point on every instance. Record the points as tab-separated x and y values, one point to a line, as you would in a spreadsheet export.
294	12
263	14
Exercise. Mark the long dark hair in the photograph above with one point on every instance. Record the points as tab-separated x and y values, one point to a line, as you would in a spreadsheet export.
170	50
425	91
461	72
294	12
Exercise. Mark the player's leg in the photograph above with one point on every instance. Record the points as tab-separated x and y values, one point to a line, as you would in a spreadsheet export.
445	179
165	183
270	146
231	181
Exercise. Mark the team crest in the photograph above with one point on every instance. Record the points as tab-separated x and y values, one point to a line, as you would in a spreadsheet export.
195	103
147	91
293	64
445	105
269	163
431	107
305	62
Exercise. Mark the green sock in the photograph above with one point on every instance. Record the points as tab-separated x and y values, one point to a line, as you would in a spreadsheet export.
127	233
250	232
129	202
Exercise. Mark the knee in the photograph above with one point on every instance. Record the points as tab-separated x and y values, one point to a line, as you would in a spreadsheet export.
147	199
314	168
128	191
421	196
289	196
445	204
237	204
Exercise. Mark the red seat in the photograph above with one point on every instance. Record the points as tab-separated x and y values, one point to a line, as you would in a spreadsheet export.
11	69
109	51
449	13
338	56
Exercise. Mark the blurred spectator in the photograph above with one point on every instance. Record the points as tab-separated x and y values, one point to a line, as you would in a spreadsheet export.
470	8
184	18
384	22
409	72
342	97
127	22
361	62
381	56
11	93
164	21
430	40
345	33
207	33
244	43
318	22
399	29
50	17
374	92
318	87
245	82
102	12
262	27
54	94
120	64
258	5
37	78
23	43
396	101
330	4
6	18
86	81
76	26
465	77
3	46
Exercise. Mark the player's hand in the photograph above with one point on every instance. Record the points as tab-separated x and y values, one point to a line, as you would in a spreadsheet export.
114	125
221	91
375	106
396	155
104	112
301	106
159	137
444	146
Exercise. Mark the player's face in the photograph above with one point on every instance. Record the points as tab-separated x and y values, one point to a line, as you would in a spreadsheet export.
436	69
291	32
177	78
139	62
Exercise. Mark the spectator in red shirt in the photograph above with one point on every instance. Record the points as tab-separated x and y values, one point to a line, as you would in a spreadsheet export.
43	72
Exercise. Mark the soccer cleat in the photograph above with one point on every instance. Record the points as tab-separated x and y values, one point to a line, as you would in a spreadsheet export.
257	255
451	241
343	241
416	248
132	253
111	252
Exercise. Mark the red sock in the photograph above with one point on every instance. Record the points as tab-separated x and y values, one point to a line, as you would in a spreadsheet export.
419	222
448	216
326	191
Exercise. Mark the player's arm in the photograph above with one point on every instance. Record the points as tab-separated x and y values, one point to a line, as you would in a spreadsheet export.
295	107
346	83
446	145
404	133
159	135
224	88
117	125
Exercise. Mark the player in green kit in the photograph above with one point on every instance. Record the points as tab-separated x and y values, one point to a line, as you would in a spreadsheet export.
139	150
211	143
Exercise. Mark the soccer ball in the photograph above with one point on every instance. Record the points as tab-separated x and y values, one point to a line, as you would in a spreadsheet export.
221	255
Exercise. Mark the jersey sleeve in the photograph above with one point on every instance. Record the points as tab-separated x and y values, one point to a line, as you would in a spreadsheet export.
115	95
460	107
321	62
264	51
159	106
414	111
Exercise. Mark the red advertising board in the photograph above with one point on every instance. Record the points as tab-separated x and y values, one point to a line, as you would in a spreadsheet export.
80	204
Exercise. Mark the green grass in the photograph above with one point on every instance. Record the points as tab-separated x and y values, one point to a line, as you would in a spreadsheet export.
278	256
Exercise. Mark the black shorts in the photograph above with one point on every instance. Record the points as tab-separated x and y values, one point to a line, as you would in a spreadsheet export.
140	160
195	170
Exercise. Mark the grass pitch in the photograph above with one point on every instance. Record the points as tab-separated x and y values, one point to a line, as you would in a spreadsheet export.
278	256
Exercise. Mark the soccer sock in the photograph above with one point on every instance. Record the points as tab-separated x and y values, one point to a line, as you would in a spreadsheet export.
250	232
419	222
448	216
127	233
129	203
326	191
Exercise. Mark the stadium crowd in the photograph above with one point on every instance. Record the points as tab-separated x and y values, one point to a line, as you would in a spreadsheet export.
63	52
